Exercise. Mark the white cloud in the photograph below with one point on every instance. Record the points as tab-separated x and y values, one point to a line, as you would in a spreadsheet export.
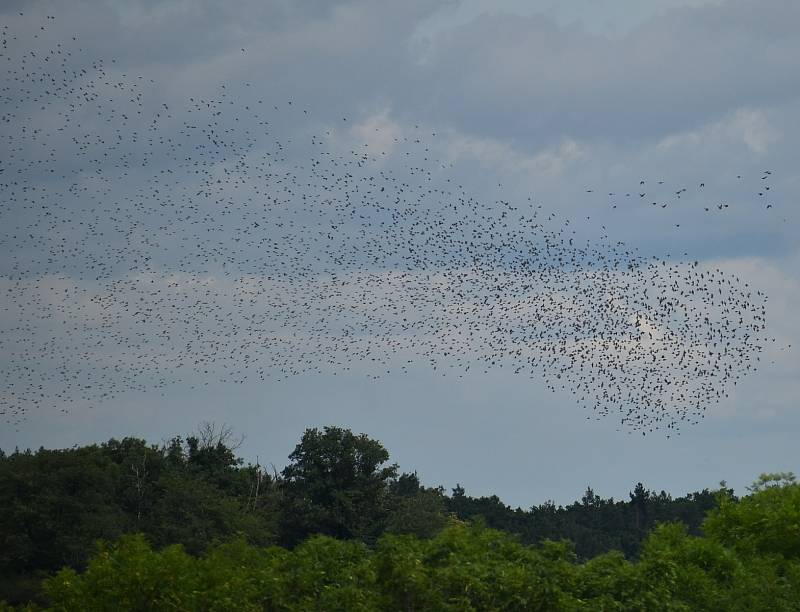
755	130
378	131
750	127
502	156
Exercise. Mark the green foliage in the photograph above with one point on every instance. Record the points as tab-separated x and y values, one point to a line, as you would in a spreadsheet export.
766	522
188	526
471	568
128	576
55	504
776	479
594	524
704	574
464	567
58	503
328	574
337	485
414	509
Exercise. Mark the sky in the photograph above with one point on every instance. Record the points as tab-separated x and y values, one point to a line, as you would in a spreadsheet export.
539	99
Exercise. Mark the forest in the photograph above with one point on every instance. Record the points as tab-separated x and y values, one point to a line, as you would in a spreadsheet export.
188	525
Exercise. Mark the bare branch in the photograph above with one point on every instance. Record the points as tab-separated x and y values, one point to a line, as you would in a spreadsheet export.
210	436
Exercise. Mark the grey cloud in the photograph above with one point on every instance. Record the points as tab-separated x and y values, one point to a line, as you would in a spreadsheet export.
677	70
524	82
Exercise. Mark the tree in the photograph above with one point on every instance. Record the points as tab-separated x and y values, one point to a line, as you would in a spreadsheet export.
639	498
766	522
776	479
590	499
336	484
57	503
212	452
422	514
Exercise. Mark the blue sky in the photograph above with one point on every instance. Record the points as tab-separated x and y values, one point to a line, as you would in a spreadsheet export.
528	99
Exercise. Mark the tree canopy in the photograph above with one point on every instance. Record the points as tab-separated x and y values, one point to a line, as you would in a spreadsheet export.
170	526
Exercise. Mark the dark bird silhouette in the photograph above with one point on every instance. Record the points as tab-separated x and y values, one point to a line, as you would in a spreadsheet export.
150	243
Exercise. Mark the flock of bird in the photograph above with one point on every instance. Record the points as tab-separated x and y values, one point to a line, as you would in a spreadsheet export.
664	197
146	244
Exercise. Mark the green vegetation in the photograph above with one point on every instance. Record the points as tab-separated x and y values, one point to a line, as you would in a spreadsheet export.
186	525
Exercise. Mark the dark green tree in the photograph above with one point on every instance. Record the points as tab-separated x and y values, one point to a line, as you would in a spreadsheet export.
415	509
337	484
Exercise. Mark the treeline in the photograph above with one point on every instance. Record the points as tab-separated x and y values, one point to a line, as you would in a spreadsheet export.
196	493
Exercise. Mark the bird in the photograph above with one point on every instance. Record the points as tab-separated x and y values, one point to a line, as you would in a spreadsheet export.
152	243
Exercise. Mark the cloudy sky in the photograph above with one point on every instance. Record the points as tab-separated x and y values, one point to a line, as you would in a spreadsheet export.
537	97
